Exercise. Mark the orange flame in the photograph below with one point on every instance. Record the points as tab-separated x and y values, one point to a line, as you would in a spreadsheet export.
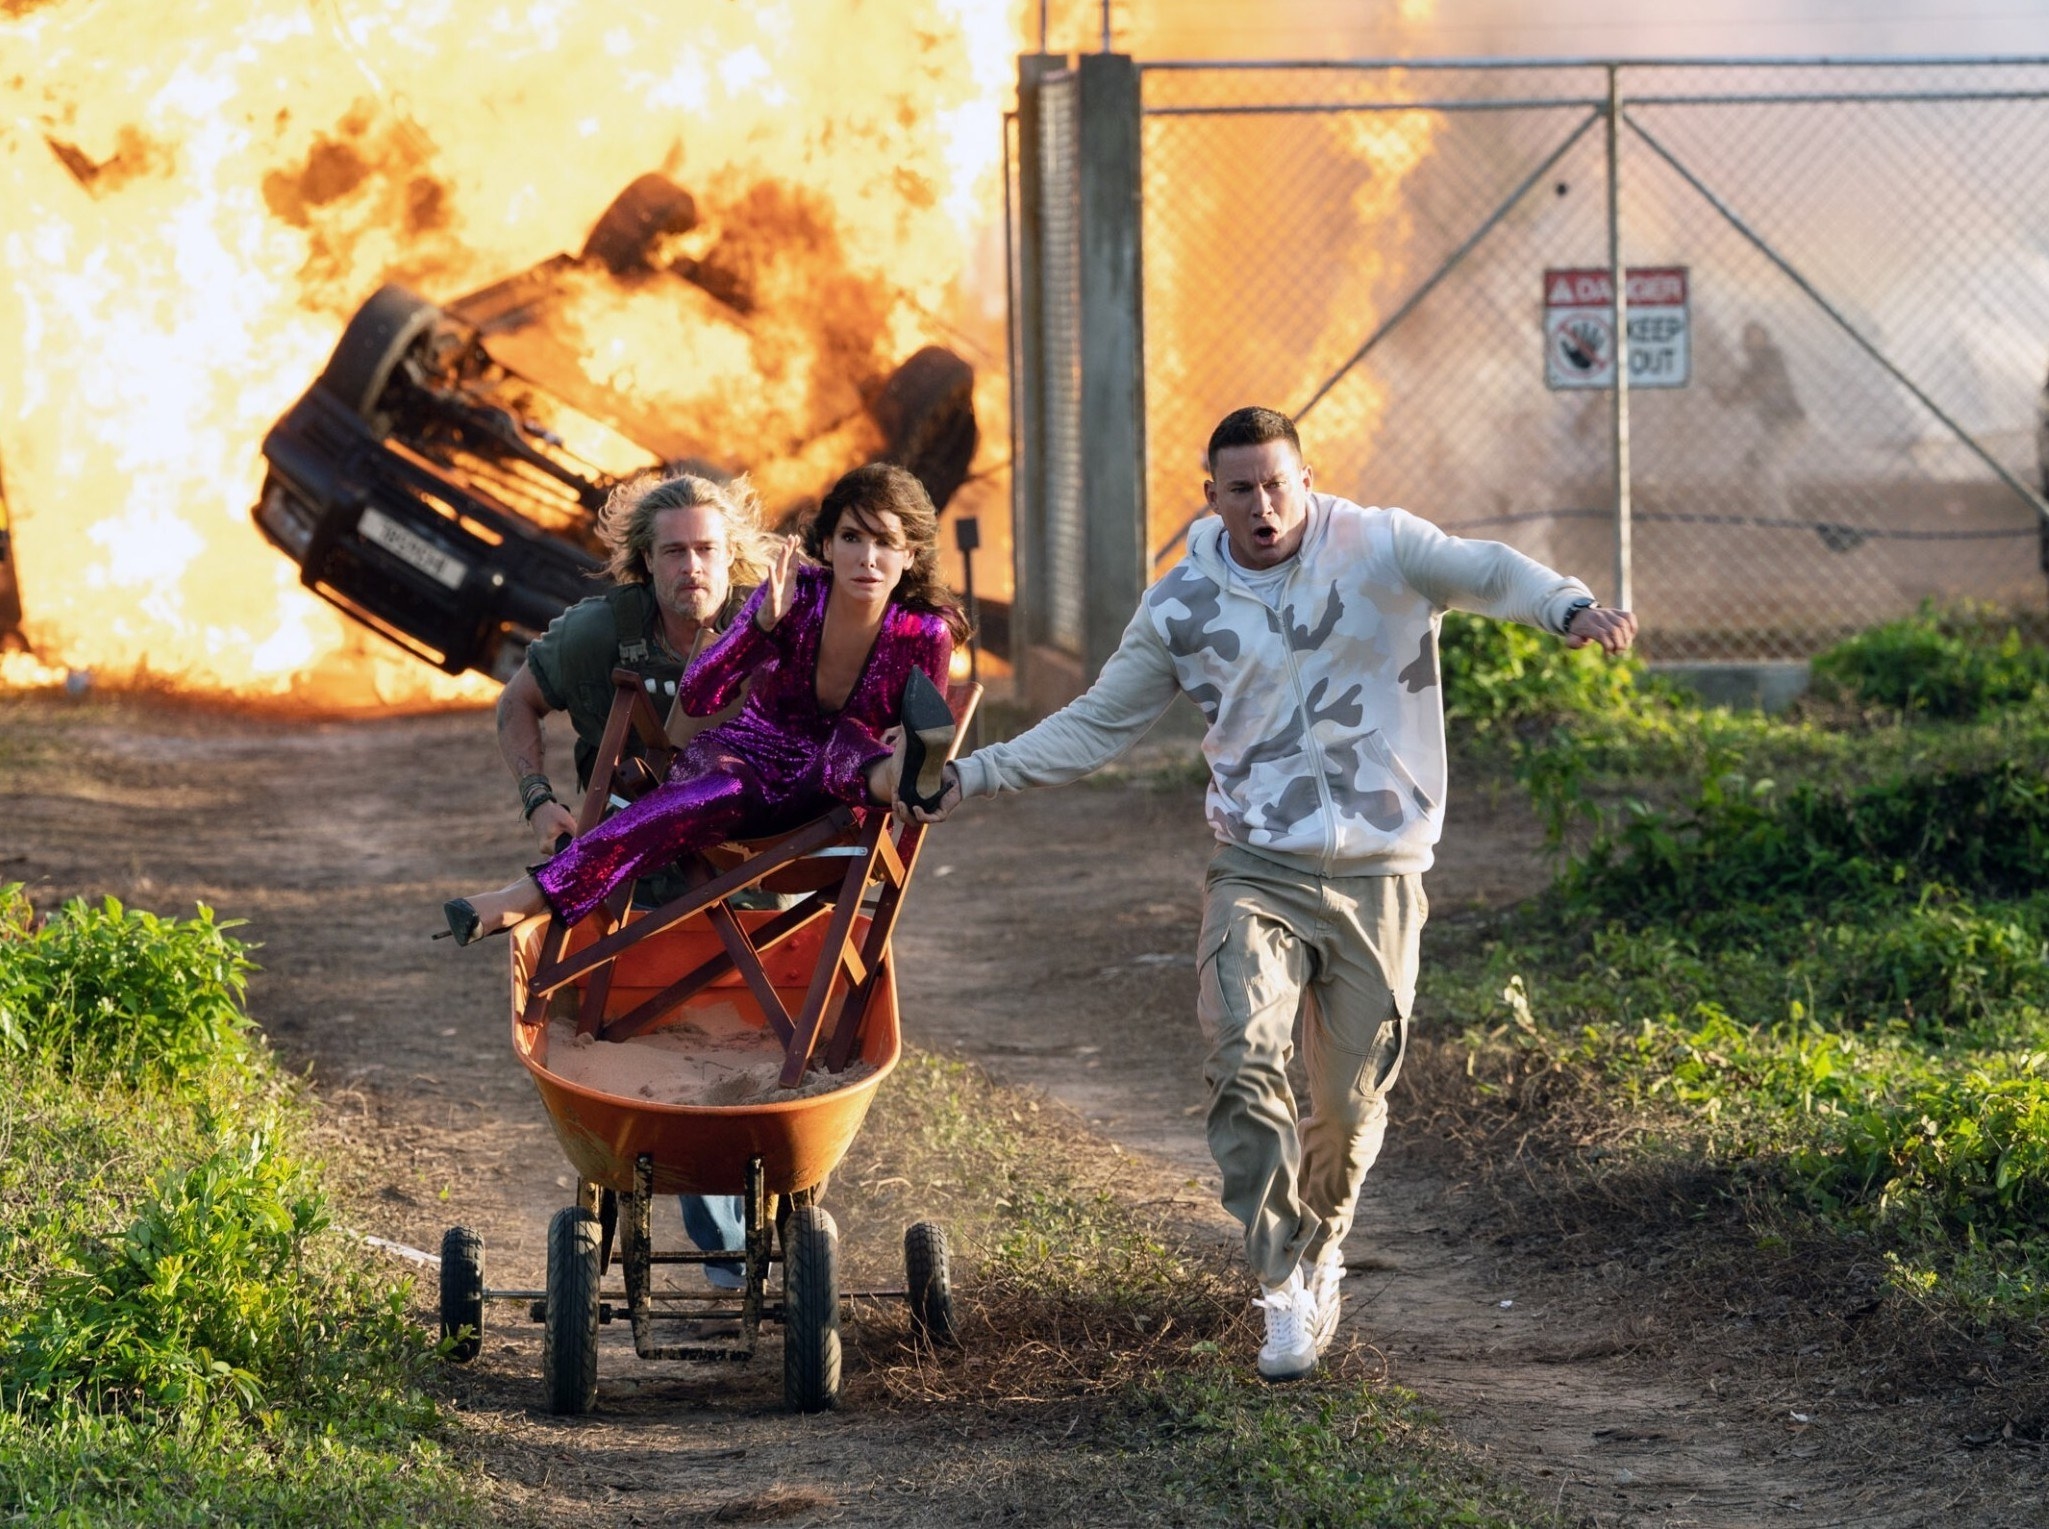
1331	189
199	196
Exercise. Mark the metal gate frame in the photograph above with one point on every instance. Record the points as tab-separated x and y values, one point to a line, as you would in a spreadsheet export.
1080	486
1614	113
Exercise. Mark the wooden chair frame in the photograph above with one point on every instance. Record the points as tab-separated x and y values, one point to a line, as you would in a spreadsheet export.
875	860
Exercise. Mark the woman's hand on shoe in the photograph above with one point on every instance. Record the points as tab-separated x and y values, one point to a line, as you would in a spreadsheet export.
884	774
779	587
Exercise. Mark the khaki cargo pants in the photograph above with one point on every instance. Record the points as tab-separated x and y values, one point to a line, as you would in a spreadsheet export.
1272	935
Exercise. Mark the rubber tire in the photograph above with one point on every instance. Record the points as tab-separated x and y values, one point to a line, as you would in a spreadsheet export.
382	331
785	1204
811	1311
462	1292
569	1344
653	205
927	413
608	1200
929	1280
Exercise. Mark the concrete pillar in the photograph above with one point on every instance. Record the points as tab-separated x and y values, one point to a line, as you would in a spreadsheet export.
1112	353
1078	395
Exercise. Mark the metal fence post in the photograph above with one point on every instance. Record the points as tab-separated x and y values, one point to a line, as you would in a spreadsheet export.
1619	275
1112	353
1028	477
1831	387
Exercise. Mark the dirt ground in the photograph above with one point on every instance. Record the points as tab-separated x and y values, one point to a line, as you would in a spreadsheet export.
1049	939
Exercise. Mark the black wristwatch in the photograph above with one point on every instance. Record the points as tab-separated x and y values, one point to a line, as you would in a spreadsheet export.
1571	614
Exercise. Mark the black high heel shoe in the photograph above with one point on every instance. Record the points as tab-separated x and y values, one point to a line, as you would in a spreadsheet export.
462	922
928	735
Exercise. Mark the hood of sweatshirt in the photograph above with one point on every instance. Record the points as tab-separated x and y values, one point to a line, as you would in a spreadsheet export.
1319	681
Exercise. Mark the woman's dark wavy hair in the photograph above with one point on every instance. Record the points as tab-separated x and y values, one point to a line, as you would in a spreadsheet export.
866	493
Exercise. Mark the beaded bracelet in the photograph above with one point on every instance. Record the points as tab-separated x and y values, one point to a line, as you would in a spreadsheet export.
533	791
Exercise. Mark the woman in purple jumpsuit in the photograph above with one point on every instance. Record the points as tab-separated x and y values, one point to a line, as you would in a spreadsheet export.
827	651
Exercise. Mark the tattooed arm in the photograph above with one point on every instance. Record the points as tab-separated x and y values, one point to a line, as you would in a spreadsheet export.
520	710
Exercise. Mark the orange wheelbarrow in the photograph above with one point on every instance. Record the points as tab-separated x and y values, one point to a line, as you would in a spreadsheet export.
816	974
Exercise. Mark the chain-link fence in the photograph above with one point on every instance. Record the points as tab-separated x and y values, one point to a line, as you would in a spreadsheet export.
1060	229
1832	412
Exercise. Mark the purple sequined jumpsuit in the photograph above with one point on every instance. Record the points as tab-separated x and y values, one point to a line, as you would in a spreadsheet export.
777	763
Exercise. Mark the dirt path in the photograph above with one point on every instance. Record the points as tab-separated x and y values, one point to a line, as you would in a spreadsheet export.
1049	939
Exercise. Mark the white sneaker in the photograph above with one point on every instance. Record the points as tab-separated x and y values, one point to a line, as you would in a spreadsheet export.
1290	1349
1326	1295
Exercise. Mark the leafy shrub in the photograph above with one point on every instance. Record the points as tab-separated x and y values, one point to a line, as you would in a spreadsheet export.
1942	965
1835	984
179	1344
1499	672
1964	1149
1868	1131
130	990
1981	832
1955	664
195	1300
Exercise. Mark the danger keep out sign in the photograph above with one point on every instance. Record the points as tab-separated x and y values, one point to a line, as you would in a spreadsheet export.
1579	329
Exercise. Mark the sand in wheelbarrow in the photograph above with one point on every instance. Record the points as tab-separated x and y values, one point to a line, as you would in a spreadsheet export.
712	1056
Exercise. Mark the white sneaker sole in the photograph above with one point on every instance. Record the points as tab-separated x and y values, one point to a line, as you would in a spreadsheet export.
1287	1367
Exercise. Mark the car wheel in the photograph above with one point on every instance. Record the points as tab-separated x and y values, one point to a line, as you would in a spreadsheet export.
927	414
652	206
382	331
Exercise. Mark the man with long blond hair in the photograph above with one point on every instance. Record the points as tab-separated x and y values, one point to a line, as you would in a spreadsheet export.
686	551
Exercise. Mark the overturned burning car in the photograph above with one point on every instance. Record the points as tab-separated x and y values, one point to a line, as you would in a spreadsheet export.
441	479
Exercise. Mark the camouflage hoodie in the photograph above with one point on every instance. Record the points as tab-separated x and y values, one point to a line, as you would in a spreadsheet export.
1326	720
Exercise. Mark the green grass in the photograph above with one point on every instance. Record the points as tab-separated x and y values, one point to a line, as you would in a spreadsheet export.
1808	953
182	1338
1329	1452
1081	1297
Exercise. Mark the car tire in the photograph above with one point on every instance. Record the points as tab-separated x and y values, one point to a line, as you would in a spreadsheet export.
927	413
627	230
369	350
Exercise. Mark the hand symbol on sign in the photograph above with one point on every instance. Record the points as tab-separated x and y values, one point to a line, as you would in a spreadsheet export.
1584	344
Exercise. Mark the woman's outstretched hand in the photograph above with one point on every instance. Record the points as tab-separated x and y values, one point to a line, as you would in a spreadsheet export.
779	587
949	798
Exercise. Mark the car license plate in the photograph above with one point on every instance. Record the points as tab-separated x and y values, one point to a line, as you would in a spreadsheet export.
394	538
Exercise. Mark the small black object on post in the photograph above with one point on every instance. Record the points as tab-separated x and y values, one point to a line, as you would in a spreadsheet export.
967	535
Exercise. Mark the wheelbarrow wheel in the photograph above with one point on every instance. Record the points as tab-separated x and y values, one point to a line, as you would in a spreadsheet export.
569	1345
929	1282
811	1311
462	1293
